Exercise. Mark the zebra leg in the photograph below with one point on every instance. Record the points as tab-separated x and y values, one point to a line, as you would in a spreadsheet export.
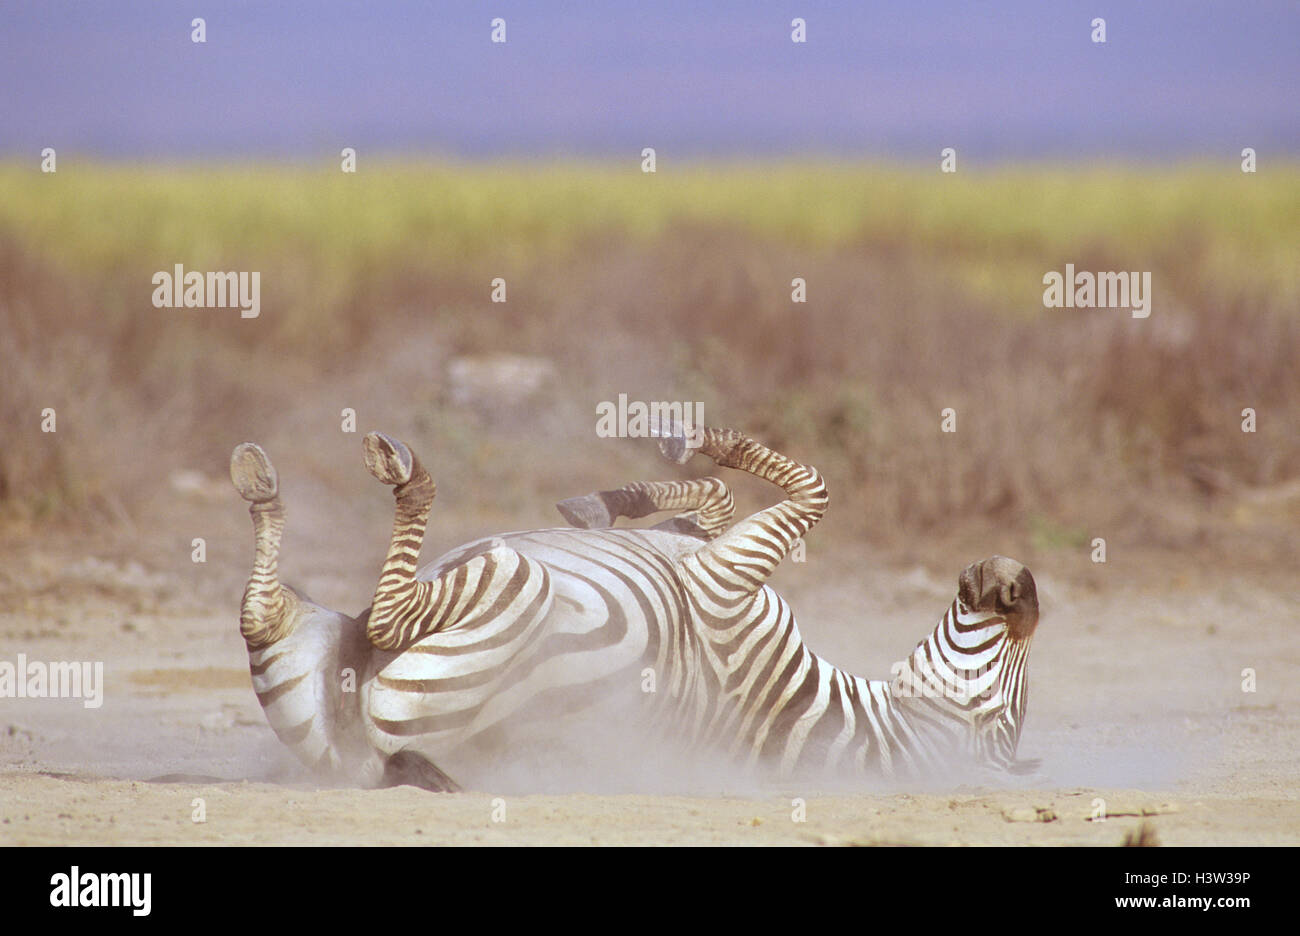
405	608
269	609
743	558
297	650
706	506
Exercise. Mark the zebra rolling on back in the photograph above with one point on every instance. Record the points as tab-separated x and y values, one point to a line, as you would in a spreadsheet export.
522	637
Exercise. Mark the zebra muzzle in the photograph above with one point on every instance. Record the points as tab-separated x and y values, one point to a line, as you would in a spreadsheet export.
1002	586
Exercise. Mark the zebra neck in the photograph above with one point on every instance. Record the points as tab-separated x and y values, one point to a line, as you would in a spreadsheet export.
965	682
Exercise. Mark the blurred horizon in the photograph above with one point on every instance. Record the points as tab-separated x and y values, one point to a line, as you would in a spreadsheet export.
297	82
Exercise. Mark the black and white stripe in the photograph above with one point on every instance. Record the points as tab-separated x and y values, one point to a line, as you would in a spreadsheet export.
524	635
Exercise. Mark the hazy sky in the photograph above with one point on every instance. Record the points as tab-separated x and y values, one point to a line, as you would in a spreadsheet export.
998	80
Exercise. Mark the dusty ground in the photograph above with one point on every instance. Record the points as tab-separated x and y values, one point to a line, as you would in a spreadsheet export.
1136	700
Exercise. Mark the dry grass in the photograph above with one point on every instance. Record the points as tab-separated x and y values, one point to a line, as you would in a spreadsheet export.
924	293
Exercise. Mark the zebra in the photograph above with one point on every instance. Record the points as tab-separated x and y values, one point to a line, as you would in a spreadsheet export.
525	637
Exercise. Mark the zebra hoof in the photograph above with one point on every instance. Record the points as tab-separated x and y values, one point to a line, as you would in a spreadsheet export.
672	441
387	459
676	447
588	512
410	768
253	474
675	450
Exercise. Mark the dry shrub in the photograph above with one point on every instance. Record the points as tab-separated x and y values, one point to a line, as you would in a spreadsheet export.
1065	417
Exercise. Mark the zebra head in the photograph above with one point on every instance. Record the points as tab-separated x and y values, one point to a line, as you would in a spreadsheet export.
999	587
964	686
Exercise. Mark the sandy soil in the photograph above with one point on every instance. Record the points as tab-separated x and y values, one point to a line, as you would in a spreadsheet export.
1136	699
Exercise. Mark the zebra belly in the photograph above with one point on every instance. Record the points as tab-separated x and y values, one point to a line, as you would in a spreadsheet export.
583	663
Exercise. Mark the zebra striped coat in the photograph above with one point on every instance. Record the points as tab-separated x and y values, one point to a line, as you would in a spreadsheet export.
671	638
